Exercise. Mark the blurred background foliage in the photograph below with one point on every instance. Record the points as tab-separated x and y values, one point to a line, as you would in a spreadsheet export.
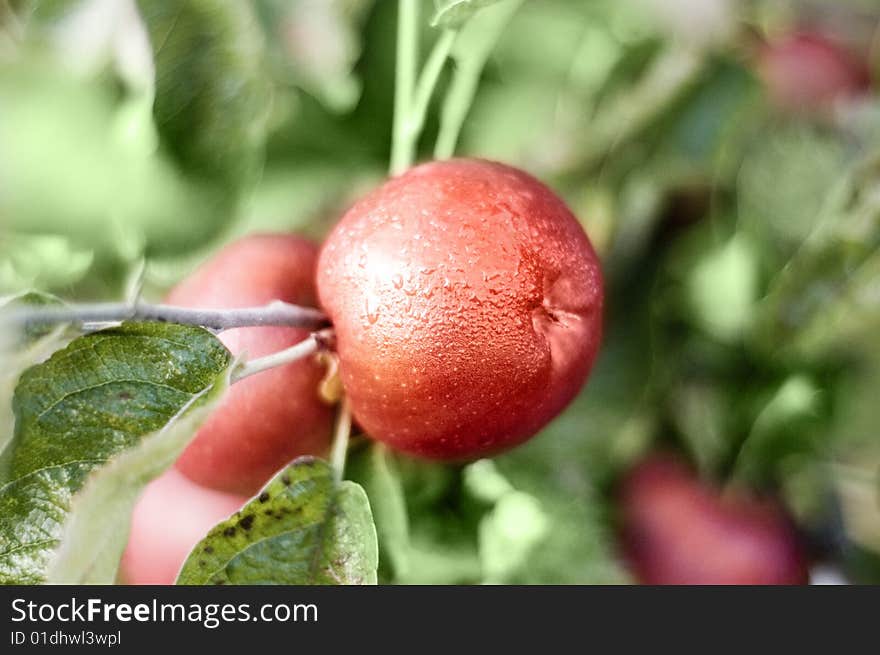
739	235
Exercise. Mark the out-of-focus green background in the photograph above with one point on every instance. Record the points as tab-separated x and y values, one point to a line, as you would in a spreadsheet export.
739	238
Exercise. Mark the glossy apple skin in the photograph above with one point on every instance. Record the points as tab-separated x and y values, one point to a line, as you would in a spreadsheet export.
467	303
676	530
171	517
275	416
808	73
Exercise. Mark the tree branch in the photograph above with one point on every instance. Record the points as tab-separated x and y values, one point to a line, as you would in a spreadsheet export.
308	346
276	313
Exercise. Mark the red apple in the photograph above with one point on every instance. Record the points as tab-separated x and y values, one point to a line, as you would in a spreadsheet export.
678	530
170	518
467	304
275	416
808	72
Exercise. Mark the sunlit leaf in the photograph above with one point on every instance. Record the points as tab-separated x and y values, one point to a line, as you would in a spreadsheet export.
96	529
304	527
86	404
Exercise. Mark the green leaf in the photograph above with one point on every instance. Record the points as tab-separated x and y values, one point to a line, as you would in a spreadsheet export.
700	413
484	482
555	533
443	521
454	13
509	534
545	525
433	563
96	530
84	405
443	547
211	95
112	194
723	288
375	469
44	261
91	39
784	183
18	351
425	483
825	298
785	426
303	528
848	316
316	44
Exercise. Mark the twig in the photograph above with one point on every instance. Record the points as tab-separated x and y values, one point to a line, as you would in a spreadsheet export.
303	349
275	313
340	439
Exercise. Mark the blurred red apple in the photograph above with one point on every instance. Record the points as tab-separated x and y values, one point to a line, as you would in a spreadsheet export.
676	529
808	72
171	517
275	416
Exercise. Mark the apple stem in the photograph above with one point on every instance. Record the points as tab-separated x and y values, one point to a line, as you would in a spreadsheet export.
301	350
341	435
92	316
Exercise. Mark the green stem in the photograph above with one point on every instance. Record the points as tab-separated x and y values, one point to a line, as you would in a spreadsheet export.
455	108
402	151
426	85
339	450
478	38
299	351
